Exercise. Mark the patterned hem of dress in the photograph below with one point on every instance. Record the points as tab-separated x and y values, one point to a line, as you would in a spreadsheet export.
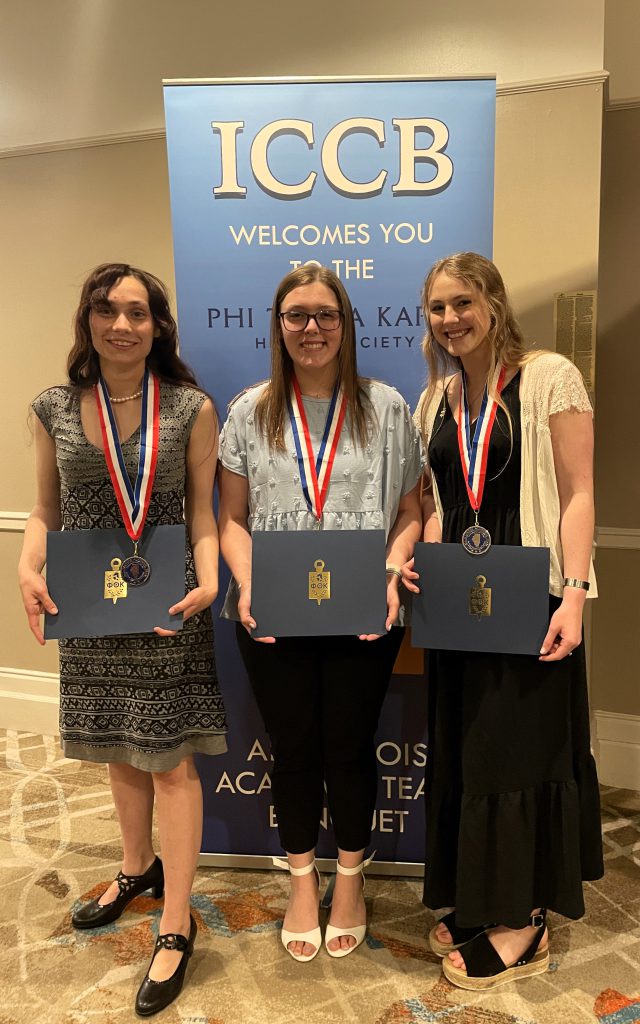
148	761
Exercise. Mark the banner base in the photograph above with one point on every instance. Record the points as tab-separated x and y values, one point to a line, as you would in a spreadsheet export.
248	862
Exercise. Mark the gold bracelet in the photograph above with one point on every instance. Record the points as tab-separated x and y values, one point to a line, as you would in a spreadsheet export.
395	569
571	581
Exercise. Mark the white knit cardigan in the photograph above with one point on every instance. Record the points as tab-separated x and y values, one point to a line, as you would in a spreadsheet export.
548	384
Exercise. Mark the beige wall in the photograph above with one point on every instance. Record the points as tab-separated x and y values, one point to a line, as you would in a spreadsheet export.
77	68
622	33
68	211
616	632
547	187
618	498
615	649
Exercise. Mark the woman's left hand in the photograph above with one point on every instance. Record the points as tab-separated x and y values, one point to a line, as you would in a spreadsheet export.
564	633
393	607
195	601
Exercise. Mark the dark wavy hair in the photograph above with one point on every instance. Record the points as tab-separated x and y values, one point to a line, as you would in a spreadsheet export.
83	365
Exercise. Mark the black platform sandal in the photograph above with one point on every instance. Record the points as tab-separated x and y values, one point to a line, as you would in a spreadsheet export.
152	995
484	968
94	914
459	935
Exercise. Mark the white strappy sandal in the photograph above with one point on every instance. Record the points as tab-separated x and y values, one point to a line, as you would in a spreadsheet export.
313	937
358	931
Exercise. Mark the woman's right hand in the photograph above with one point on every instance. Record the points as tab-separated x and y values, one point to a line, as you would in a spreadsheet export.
408	577
246	618
36	600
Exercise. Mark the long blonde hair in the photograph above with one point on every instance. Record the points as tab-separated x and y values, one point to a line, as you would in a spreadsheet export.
508	346
271	407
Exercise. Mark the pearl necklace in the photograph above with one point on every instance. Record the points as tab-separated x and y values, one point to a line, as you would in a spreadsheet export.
127	398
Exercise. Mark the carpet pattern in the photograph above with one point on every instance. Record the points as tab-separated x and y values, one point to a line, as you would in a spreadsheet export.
59	847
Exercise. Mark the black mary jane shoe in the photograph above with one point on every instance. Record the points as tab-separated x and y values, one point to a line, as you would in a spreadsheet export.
152	995
484	969
94	915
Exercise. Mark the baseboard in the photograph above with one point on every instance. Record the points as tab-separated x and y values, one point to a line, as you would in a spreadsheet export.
618	745
29	701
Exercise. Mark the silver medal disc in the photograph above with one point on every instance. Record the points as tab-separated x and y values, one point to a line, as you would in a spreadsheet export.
135	570
475	539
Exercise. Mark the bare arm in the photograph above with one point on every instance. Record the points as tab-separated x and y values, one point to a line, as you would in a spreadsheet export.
44	516
572	442
235	538
431	530
406	529
235	541
201	462
400	543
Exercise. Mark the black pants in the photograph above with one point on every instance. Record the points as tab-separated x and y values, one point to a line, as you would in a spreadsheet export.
320	699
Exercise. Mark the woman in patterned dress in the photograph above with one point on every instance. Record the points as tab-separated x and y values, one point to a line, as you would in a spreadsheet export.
142	703
512	803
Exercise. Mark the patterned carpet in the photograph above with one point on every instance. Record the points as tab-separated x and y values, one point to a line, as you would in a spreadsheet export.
59	845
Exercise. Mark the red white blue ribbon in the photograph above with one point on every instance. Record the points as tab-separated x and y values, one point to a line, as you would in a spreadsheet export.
133	501
474	451
315	471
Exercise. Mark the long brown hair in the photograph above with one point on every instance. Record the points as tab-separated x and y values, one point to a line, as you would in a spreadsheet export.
271	407
83	365
508	346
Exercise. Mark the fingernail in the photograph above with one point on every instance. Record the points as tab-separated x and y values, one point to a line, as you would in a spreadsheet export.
54	610
542	650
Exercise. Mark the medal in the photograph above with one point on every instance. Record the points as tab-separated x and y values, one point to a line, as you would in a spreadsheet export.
133	501
135	569
476	539
315	473
474	453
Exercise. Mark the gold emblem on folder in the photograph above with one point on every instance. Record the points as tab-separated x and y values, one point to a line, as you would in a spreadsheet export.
480	598
114	585
319	583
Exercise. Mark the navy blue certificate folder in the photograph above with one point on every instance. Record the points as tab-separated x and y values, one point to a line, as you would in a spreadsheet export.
497	602
318	582
77	561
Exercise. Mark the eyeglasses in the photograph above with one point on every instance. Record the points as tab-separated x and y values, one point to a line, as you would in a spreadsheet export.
326	319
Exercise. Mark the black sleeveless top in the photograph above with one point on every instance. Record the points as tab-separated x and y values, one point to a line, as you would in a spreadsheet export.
500	510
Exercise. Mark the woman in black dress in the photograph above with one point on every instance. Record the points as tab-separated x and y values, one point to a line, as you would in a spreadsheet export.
513	823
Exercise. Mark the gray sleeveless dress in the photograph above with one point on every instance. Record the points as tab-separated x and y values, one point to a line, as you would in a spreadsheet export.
142	699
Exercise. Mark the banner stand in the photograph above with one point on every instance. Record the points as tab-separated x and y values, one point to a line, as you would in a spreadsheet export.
397	869
375	178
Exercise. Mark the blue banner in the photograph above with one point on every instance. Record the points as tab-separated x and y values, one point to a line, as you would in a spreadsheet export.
375	179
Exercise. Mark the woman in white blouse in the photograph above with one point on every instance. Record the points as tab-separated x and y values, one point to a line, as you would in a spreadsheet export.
320	697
